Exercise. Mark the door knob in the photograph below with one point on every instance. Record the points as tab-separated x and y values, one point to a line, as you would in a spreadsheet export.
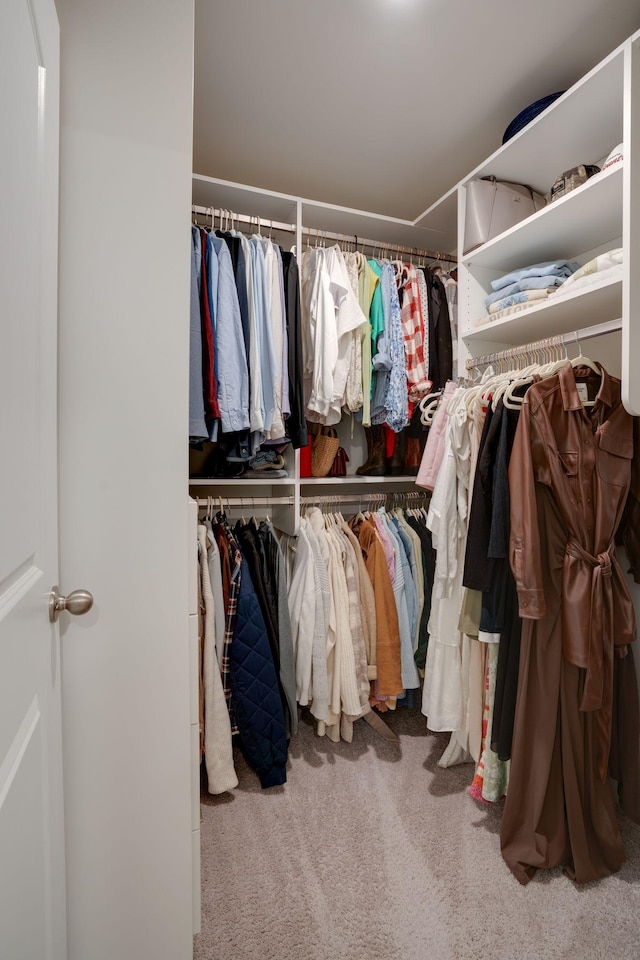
78	602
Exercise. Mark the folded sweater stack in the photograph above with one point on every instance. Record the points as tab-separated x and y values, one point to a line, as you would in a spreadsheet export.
528	284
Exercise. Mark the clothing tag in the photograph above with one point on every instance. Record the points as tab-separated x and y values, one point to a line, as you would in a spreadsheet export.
583	392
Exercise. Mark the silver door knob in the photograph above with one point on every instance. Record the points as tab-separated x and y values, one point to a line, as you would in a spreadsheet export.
78	602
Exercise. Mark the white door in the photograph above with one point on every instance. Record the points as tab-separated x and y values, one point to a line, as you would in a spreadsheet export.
32	877
124	280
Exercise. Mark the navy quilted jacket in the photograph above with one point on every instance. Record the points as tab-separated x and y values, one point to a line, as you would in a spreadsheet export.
254	689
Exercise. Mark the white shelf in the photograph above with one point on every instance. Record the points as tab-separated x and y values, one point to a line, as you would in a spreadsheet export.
434	230
586	218
304	481
241	198
585	308
582	126
442	218
242	482
341	481
371	226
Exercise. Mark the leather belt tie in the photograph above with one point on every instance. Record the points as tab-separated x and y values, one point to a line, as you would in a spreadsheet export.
597	694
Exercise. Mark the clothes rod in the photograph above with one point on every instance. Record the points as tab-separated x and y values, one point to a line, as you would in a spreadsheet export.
204	502
282	227
397	495
561	340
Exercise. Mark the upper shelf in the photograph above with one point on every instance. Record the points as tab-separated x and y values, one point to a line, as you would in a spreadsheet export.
442	217
582	126
434	231
240	198
372	226
586	218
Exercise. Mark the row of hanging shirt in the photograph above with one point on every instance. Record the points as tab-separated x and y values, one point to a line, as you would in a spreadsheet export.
245	348
334	619
247	677
377	336
374	337
504	491
359	595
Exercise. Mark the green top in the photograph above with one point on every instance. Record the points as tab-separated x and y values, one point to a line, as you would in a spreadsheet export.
377	311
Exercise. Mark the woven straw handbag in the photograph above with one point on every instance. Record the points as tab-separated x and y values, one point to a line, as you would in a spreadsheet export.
325	447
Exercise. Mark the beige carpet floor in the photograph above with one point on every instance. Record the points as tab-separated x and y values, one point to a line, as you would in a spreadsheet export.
372	851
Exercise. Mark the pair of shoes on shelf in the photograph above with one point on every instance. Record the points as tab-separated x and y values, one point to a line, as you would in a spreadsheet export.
239	452
266	460
407	454
404	462
266	465
376	463
264	474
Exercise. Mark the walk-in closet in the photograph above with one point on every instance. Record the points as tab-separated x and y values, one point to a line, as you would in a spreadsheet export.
415	510
320	553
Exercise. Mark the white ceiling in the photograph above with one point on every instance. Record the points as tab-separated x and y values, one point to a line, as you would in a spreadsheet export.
381	105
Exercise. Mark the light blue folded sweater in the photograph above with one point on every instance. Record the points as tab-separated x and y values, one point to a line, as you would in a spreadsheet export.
529	283
552	268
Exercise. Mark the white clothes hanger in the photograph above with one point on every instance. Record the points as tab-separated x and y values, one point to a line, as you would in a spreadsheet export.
550	359
563	355
428	412
428	406
560	360
523	377
503	386
485	391
582	361
510	401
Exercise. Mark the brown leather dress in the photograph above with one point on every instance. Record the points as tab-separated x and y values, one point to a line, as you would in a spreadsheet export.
569	477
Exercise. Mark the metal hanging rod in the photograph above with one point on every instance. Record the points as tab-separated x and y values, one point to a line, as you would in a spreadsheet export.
562	340
282	227
228	218
396	495
243	501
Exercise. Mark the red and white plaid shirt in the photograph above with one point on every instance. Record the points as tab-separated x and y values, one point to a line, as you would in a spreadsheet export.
413	334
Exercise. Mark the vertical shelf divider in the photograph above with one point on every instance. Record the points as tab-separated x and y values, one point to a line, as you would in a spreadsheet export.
631	228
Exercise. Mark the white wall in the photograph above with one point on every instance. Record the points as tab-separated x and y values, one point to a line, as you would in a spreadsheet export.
126	133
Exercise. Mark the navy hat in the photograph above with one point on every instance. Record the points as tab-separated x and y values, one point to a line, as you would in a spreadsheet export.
528	114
